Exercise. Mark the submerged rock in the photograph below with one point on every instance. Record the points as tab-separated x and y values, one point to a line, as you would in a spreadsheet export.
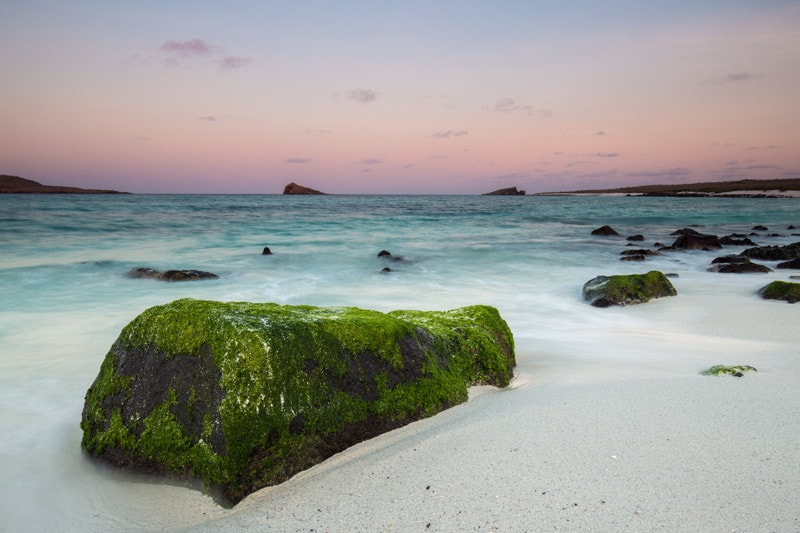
605	230
170	275
604	291
782	290
245	395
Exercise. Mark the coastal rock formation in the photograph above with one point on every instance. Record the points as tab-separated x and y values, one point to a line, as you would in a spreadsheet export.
294	188
605	230
782	290
604	291
509	191
690	239
774	253
245	395
170	275
792	263
17	185
739	267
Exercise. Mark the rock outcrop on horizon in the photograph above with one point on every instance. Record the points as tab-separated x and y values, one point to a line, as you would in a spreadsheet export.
17	185
508	191
245	395
605	291
294	188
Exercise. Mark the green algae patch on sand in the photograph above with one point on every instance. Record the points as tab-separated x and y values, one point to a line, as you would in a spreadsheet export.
245	395
733	370
781	290
604	291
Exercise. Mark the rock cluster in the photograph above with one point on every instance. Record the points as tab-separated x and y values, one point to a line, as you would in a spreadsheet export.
170	275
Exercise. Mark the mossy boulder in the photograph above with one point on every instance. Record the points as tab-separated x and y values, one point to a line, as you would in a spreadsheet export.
245	395
782	290
604	291
733	370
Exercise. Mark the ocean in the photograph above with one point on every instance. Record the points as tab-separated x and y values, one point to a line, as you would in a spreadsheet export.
65	296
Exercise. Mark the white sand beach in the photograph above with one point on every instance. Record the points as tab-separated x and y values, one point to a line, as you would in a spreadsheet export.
596	447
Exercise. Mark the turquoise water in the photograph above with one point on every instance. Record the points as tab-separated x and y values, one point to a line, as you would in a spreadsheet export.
65	295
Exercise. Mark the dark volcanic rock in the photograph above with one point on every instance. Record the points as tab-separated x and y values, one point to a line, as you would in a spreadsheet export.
605	230
733	240
634	257
266	251
170	275
604	291
760	228
738	266
774	253
294	188
781	290
635	238
245	395
691	240
641	251
794	263
509	191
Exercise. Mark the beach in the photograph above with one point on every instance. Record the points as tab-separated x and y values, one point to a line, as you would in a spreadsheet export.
608	424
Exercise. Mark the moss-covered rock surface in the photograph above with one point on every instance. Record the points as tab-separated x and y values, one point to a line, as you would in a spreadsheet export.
604	291
782	290
245	395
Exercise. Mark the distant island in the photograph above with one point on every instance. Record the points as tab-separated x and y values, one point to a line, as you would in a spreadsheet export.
17	185
740	188
509	191
294	188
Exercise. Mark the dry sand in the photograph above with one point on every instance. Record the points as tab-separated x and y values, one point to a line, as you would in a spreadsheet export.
588	447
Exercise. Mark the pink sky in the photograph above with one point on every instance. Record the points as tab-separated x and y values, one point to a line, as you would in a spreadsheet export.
398	97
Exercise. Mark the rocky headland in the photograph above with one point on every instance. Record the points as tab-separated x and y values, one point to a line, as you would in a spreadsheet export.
294	188
508	191
17	185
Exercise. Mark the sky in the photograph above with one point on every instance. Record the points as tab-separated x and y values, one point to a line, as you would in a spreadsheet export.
398	97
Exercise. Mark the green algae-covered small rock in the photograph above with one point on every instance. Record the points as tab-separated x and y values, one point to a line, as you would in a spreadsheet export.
782	290
733	370
245	395
604	291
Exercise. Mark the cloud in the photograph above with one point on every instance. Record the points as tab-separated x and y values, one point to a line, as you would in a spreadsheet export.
515	105
317	132
174	53
450	133
193	47
770	147
299	160
234	62
606	154
209	118
600	133
363	96
660	174
736	77
371	161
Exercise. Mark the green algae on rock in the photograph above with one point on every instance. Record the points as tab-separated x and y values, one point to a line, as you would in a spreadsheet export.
604	291
245	395
782	290
734	370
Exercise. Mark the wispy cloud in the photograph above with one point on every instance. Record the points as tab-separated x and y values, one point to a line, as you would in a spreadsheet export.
736	77
299	160
363	96
193	47
176	53
209	118
666	173
518	106
449	133
606	154
754	148
234	62
600	133
371	161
